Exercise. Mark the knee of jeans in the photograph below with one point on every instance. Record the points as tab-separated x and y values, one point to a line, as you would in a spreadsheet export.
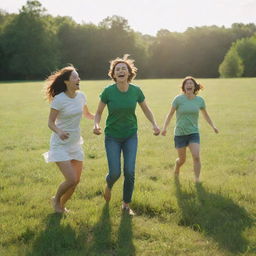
114	176
129	175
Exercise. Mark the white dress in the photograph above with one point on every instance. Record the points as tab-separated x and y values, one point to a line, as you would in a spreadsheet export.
68	120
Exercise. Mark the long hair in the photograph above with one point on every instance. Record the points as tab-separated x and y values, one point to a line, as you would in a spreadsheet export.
129	63
198	86
55	83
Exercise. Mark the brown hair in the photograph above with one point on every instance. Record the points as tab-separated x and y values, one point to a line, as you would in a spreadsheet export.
198	86
55	82
129	63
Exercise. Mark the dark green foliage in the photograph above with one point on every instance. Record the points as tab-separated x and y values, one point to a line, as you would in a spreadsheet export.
232	65
33	44
240	59
28	46
246	49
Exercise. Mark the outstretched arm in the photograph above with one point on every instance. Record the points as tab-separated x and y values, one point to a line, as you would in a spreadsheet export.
87	113
96	128
208	120
167	120
149	115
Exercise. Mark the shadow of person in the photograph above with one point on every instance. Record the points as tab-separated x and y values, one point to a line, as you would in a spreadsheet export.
215	216
100	241
55	239
125	246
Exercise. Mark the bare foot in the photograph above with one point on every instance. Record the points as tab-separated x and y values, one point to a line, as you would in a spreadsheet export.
62	205
176	170
197	181
57	208
107	193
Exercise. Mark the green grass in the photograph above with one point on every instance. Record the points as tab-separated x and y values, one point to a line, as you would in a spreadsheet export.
173	217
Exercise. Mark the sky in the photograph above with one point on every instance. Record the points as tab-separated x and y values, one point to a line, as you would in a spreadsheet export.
149	16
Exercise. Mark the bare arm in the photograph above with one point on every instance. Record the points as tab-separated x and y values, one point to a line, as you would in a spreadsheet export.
87	113
149	115
51	124
208	120
167	120
97	118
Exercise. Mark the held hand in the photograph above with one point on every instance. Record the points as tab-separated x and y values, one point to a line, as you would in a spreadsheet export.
91	116
163	132
97	130
156	130
63	135
215	129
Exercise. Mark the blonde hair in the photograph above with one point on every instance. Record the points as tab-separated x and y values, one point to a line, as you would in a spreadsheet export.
129	63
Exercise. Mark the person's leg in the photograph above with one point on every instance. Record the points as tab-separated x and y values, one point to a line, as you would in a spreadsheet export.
70	180
129	148
195	151
180	160
181	142
78	167
113	151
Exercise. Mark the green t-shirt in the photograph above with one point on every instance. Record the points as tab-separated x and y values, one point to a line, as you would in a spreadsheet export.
121	121
187	111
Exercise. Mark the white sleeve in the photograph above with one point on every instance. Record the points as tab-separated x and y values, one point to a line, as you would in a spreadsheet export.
56	104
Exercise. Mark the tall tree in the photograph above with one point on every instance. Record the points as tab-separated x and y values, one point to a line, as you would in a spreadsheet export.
29	44
246	49
166	54
242	51
232	66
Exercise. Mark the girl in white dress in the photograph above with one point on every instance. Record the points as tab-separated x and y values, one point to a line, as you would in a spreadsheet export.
67	107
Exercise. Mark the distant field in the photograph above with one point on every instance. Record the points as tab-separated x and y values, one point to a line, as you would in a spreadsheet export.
173	217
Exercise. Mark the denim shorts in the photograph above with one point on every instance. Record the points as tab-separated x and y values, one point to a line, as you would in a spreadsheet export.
185	140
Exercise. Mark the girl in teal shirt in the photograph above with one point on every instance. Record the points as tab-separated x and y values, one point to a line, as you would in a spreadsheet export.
187	106
121	99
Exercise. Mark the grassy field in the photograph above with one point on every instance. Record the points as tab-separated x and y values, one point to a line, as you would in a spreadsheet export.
173	217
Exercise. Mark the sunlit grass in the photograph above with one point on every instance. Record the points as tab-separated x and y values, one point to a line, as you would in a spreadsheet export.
173	217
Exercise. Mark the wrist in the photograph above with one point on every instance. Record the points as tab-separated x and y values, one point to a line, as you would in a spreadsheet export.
57	130
154	125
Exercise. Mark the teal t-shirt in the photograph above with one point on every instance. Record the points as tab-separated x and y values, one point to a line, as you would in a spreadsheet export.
187	112
121	121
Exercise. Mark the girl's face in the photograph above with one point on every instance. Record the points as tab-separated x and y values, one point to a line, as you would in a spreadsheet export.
121	72
189	87
73	82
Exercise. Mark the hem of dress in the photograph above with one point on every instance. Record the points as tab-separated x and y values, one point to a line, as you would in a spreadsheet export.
47	160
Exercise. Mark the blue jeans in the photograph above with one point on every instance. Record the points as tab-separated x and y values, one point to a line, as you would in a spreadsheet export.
128	146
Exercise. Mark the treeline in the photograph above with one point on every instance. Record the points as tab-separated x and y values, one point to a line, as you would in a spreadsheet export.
34	43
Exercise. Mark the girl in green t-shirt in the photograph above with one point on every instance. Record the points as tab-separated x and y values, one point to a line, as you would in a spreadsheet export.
186	134
121	126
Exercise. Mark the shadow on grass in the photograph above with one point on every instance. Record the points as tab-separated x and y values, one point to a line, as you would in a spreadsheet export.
100	238
125	244
56	239
215	216
59	240
101	243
